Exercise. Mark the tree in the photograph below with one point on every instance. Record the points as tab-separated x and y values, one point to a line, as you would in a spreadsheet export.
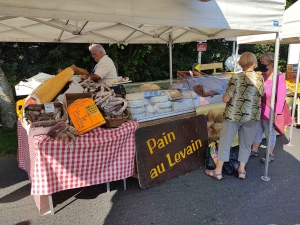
7	103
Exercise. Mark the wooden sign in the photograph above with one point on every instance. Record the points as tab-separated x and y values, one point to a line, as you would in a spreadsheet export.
167	150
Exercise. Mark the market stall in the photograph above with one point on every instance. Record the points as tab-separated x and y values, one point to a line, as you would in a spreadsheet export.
147	22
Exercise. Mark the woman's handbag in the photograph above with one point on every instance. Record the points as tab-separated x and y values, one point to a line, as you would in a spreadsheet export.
282	120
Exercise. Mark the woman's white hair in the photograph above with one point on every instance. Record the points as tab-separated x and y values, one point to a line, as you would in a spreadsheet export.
97	47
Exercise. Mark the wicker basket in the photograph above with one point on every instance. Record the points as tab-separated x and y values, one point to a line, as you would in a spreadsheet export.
115	122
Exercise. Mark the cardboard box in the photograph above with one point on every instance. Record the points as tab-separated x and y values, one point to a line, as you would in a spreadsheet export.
71	97
43	127
74	87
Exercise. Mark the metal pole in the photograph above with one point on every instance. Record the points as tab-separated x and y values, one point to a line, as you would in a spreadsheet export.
233	47
294	103
199	57
51	204
271	120
170	56
236	54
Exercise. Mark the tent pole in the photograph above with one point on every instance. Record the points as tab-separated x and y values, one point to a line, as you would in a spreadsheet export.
294	103
170	56
271	119
236	54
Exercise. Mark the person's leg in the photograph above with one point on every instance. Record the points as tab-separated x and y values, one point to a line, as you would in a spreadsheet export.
257	139
247	133
265	124
228	132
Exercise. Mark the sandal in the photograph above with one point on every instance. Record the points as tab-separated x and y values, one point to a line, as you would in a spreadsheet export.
271	158
216	176
242	175
254	154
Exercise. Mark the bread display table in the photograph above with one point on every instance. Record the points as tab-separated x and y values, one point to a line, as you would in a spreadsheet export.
99	156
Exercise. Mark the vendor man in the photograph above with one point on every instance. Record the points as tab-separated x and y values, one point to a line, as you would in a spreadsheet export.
105	70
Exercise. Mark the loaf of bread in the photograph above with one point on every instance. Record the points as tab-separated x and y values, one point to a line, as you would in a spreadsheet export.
79	71
175	94
134	96
159	98
149	87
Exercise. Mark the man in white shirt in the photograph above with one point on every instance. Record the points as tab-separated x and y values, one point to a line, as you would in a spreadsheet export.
105	70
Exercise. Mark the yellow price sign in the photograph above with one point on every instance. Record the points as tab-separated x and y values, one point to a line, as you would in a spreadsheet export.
92	109
197	67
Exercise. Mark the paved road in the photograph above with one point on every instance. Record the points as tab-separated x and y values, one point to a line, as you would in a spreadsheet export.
191	199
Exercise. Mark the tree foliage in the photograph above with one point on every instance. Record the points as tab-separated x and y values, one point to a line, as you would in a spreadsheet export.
143	62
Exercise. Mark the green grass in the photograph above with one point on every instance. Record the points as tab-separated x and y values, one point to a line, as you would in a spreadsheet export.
8	141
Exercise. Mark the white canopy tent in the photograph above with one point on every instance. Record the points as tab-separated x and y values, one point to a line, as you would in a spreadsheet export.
290	34
290	30
136	21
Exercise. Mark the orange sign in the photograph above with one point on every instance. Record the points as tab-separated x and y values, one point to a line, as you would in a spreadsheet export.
291	71
85	115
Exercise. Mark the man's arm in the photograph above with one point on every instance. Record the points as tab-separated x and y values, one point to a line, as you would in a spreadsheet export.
91	76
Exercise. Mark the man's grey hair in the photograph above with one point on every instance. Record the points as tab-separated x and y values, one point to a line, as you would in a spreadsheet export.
97	47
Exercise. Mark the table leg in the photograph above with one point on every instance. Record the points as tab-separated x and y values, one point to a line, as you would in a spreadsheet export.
124	182
51	204
107	187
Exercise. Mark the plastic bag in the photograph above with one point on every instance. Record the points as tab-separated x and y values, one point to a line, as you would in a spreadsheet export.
211	156
232	165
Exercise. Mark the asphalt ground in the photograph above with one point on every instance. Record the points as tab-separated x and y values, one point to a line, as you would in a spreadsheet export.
191	199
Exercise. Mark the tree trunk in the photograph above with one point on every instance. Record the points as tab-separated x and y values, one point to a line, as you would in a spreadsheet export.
7	103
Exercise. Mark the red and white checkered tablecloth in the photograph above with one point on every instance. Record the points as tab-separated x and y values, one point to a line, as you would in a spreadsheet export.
99	156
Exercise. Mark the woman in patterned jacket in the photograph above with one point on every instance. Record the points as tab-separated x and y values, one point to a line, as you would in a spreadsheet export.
242	114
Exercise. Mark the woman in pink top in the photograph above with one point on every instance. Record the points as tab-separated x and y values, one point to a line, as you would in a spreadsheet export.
267	63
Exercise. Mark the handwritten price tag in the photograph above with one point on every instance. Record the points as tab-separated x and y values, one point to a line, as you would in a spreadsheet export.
49	107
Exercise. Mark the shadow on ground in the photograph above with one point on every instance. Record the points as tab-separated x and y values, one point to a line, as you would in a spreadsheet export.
198	199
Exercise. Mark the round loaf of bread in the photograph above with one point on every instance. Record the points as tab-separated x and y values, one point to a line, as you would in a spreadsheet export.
189	94
162	105
159	98
164	110
139	110
136	103
149	87
138	116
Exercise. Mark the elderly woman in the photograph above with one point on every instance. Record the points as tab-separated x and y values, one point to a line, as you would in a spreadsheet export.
267	64
242	114
105	70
